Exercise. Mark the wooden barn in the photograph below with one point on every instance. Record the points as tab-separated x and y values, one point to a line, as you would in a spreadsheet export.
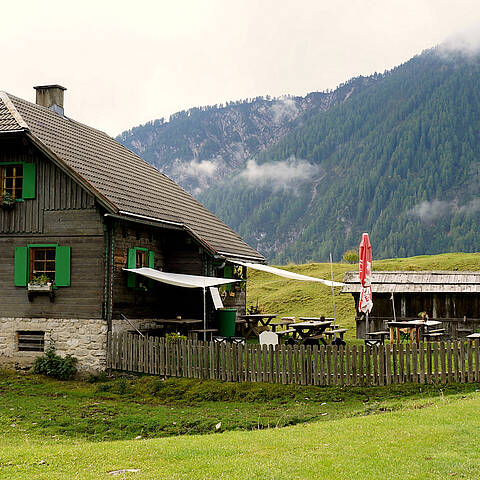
452	297
76	208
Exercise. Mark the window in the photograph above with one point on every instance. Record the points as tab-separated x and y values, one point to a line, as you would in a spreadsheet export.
11	180
42	262
141	258
29	341
17	180
36	260
138	257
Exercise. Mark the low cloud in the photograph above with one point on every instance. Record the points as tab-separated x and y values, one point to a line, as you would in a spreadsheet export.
284	109
284	174
466	42
431	211
200	173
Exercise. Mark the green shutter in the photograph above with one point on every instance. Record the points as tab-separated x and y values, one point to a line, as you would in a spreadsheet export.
131	263
62	266
28	188
21	269
228	273
151	264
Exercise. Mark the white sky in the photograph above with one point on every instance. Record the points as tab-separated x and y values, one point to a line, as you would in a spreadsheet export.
125	62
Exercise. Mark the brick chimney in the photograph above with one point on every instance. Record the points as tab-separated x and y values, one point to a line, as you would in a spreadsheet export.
51	96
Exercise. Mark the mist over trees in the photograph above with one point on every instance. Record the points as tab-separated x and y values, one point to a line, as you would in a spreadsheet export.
395	154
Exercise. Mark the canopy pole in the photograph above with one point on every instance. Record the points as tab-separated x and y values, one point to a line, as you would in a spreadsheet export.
333	291
393	306
204	316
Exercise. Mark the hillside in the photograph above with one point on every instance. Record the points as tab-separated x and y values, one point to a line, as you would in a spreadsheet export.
292	298
200	146
394	154
399	160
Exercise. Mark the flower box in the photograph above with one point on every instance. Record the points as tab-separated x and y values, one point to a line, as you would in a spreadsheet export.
37	287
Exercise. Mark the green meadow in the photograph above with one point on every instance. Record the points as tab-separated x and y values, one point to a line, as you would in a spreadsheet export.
294	298
76	430
143	427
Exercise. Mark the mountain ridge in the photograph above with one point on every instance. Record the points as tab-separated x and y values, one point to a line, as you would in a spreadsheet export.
396	154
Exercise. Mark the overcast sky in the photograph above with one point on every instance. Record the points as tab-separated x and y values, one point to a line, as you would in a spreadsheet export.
128	62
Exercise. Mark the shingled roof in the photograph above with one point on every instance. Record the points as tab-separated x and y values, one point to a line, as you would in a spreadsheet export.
437	281
124	182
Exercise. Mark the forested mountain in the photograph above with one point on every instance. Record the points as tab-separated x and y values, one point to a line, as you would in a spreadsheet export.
200	146
399	158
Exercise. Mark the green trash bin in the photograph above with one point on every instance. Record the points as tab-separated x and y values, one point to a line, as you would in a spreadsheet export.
226	321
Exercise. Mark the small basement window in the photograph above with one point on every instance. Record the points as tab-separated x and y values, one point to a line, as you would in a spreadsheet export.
31	341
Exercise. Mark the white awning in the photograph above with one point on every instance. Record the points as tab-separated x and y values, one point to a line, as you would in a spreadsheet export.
179	279
287	274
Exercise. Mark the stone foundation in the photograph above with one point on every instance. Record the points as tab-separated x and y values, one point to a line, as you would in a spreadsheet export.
85	339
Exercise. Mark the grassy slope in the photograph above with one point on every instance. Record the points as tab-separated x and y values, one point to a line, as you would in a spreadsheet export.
423	443
293	298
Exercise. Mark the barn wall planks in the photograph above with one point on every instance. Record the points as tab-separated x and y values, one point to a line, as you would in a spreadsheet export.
55	190
173	252
82	299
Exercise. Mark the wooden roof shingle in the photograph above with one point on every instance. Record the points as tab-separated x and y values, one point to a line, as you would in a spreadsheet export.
435	281
130	184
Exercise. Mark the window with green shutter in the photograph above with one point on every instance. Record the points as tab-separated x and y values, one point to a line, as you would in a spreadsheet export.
138	257
18	180
42	260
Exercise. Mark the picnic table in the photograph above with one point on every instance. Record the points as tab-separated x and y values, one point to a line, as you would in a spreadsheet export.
181	323
311	327
413	327
257	322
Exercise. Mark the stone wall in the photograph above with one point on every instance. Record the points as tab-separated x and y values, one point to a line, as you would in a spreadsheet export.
85	339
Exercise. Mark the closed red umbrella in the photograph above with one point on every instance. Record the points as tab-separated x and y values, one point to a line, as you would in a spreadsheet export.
365	272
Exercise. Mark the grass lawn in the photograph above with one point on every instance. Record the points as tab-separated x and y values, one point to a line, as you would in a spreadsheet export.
294	298
426	437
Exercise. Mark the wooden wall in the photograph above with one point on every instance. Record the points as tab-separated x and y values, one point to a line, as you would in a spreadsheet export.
54	191
174	252
61	213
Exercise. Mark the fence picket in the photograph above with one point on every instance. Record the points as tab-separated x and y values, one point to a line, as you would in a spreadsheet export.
328	359
335	365
477	360
429	362
462	361
436	374
443	369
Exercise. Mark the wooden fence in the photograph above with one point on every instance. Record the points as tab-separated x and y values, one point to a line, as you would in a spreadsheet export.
438	362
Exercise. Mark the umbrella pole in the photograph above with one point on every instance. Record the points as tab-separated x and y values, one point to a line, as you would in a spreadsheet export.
367	326
204	316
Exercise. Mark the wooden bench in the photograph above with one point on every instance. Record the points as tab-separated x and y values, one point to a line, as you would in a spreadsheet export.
197	332
333	333
473	336
285	332
435	336
337	331
283	322
378	338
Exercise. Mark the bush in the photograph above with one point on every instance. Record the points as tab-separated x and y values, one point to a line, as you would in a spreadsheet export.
351	256
55	366
174	337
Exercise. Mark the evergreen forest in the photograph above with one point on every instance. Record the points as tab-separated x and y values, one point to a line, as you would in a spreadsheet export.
395	154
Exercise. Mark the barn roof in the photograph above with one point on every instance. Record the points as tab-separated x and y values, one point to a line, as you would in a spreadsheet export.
435	281
127	185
